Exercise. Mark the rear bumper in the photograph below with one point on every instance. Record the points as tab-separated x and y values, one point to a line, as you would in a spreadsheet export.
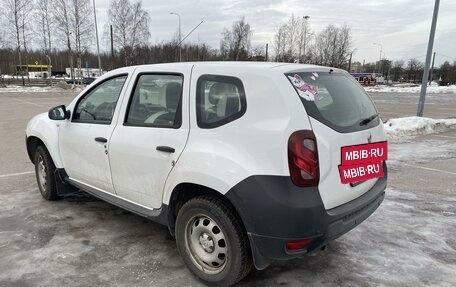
275	211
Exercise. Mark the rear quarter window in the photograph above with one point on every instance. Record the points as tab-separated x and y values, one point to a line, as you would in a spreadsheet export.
335	99
219	100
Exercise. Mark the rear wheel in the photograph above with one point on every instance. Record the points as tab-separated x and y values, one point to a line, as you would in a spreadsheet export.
212	242
44	170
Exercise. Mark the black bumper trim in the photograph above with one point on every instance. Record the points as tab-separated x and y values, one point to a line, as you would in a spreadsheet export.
275	211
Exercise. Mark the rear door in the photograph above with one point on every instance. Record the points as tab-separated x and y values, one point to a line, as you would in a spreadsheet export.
151	133
341	114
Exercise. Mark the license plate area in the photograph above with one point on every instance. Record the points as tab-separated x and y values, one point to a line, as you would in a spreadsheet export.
362	162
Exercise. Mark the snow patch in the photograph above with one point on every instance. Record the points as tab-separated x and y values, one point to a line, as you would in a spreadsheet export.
403	129
412	89
31	89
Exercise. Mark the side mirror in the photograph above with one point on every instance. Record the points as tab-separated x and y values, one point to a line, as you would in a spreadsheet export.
59	113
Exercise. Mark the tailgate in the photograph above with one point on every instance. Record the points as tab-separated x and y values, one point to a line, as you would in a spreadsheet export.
341	114
330	143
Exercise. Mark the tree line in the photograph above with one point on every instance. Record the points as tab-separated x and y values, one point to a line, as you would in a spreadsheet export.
60	33
410	71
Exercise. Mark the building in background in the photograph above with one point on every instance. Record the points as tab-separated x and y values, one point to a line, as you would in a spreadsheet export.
34	71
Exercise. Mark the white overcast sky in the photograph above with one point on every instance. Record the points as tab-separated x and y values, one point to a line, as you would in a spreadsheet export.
401	26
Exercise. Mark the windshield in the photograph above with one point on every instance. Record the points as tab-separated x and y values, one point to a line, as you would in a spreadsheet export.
335	99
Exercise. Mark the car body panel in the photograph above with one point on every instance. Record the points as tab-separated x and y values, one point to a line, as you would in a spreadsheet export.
213	157
138	169
41	127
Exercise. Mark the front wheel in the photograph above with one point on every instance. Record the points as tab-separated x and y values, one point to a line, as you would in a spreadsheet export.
212	242
44	170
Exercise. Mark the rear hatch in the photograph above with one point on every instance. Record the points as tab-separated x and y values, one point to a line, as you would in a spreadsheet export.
341	114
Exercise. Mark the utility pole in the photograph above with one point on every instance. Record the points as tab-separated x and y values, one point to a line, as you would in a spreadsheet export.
96	33
266	58
432	69
112	49
424	81
380	59
349	62
180	39
305	38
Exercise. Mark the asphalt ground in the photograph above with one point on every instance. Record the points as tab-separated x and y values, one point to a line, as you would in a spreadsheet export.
82	241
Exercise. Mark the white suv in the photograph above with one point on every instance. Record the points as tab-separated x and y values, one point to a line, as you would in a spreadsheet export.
242	161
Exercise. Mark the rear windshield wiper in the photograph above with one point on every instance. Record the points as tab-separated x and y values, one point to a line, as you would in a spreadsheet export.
368	120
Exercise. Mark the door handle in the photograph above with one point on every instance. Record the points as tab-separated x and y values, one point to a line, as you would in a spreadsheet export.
101	140
166	149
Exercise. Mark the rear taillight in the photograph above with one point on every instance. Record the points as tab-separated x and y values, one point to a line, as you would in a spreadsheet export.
298	245
303	158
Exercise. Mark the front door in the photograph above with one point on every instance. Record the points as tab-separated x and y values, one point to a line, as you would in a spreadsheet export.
149	138
84	140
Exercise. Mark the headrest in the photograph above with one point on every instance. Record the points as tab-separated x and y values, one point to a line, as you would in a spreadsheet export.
216	92
173	94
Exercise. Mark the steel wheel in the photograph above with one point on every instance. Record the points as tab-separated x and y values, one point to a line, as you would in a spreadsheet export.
41	169
44	171
212	242
206	244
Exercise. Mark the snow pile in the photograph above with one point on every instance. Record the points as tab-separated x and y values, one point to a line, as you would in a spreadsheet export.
403	129
24	89
31	89
433	89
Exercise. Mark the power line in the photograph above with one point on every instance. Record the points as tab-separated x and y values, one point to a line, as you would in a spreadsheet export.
446	56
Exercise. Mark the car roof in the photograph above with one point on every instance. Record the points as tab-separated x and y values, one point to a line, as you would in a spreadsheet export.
280	67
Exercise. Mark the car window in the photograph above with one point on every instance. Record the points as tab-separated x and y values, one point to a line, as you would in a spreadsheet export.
336	99
219	100
99	104
156	101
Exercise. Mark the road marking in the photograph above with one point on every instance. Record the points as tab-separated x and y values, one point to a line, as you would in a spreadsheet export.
431	169
15	174
30	103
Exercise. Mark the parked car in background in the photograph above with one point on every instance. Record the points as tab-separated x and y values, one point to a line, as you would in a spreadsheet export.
246	163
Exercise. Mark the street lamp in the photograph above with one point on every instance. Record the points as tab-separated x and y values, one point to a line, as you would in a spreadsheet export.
380	60
305	36
180	46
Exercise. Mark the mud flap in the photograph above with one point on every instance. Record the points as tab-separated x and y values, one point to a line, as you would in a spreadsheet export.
63	187
259	260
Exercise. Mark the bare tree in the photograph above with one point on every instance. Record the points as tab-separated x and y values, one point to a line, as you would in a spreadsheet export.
14	10
414	70
280	43
63	20
333	46
303	39
44	20
81	13
293	35
26	32
130	27
235	44
290	39
397	69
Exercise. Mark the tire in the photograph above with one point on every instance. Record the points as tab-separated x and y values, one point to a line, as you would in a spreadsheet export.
212	242
44	171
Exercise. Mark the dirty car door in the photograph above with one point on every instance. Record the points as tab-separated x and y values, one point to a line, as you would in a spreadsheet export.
154	129
83	141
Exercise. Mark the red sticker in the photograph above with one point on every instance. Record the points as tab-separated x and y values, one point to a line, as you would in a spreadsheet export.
360	172
365	153
362	162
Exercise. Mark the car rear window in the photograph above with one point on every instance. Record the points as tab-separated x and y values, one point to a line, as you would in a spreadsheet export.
335	99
